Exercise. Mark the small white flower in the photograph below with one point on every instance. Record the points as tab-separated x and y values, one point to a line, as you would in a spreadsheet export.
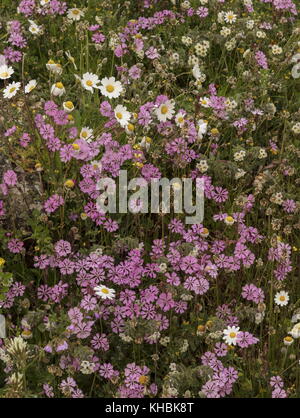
90	82
53	67
5	72
229	220
202	128
229	17
230	335
204	101
68	106
110	87
75	14
11	90
34	28
104	292
165	111
96	165
295	332
281	298
296	71
122	115
58	89
87	134
30	86
179	119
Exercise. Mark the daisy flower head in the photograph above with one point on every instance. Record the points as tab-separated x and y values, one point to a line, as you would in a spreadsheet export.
281	298
58	89
34	28
229	220
53	67
86	133
230	335
90	82
179	119
202	128
75	14
31	85
204	101
295	332
104	292
11	90
165	111
288	340
110	87
230	17
122	115
5	72
68	106
96	165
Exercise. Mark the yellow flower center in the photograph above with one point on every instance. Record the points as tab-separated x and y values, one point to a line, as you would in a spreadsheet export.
282	298
76	147
69	183
288	339
84	134
2	261
5	74
110	88
12	89
232	335
51	62
105	291
180	119
89	83
119	115
69	105
229	219
164	109
59	85
75	12
130	127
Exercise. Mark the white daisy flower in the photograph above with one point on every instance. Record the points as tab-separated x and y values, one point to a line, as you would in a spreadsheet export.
165	111
295	332
229	220
68	106
104	292
75	14
90	82
122	115
58	89
179	119
204	101
96	165
34	28
53	67
11	90
281	298
5	72
230	335
44	2
86	133
230	17
110	87
196	72
202	128
31	85
296	71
